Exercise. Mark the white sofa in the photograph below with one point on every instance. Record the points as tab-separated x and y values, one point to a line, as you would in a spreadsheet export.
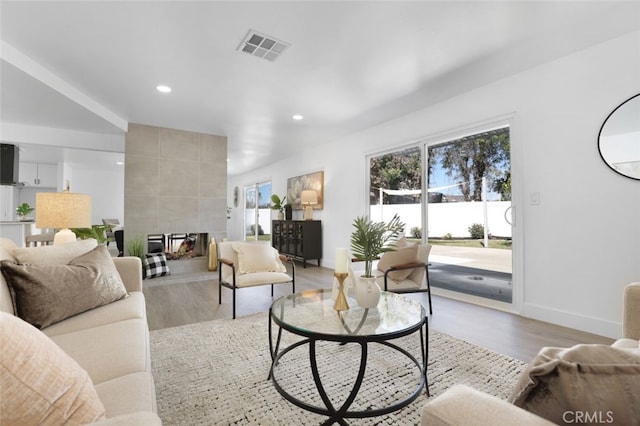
462	405
111	343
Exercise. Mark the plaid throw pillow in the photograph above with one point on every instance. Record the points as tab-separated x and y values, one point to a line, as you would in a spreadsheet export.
156	265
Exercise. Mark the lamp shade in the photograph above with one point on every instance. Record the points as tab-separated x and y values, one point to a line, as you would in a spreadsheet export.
309	196
63	210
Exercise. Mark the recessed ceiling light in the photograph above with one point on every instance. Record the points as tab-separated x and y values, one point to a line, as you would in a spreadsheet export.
297	117
163	89
120	163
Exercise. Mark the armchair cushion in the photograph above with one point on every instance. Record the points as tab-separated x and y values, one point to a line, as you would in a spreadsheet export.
400	256
257	257
631	312
259	278
41	384
585	378
461	405
46	294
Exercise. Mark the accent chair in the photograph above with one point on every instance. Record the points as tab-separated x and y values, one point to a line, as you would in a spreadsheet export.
250	264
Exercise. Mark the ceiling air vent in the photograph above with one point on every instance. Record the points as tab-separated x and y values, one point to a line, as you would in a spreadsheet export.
262	46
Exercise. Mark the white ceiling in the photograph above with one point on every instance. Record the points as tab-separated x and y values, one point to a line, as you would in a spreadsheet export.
351	64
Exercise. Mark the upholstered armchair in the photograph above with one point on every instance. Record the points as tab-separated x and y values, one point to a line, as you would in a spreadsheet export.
610	372
406	270
244	264
630	318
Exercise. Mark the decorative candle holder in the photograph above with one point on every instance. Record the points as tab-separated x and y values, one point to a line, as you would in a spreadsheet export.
341	301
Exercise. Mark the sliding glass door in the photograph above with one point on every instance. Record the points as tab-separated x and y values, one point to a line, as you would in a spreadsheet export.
466	213
469	214
396	188
257	214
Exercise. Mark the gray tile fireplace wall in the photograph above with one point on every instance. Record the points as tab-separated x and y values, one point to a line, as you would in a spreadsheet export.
175	181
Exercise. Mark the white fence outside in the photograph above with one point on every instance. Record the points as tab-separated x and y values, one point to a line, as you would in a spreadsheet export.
450	218
444	218
264	220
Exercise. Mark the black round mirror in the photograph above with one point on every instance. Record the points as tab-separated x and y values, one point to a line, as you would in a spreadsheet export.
619	138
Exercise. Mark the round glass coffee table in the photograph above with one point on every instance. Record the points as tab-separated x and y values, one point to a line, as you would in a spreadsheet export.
310	314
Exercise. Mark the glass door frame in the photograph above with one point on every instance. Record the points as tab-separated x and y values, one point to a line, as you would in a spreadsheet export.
509	120
256	210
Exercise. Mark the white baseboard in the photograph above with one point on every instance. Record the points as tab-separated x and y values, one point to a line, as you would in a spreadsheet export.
588	324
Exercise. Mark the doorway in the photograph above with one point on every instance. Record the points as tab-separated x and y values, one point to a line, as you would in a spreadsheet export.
466	213
257	214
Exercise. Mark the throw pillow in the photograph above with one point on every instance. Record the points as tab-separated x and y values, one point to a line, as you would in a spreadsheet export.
6	303
53	255
6	247
46	294
258	257
41	384
595	380
155	265
399	256
402	242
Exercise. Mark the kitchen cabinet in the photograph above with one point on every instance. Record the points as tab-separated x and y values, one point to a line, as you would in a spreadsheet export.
8	203
41	175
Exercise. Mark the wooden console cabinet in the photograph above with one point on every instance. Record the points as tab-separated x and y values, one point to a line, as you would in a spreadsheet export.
300	239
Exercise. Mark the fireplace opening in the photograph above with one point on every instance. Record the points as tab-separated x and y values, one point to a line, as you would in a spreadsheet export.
179	245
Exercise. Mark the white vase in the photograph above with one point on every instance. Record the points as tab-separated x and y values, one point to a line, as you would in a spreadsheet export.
367	292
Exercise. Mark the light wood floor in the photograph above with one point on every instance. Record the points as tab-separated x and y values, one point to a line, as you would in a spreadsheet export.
194	298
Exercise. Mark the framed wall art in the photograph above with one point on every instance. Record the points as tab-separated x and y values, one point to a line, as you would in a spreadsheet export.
311	181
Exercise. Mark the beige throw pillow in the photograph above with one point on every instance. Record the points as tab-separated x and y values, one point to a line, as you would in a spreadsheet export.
53	255
40	383
399	256
598	381
46	294
6	303
6	247
258	257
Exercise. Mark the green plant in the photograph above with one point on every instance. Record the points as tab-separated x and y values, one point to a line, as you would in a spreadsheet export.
370	239
24	209
448	236
477	231
136	247
99	232
416	232
505	243
277	203
253	230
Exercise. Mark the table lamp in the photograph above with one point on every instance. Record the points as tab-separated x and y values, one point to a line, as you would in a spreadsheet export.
63	210
309	197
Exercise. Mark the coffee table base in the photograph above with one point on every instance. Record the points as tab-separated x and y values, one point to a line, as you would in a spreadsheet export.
338	414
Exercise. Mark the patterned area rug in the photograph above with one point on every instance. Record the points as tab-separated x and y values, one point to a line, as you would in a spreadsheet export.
215	373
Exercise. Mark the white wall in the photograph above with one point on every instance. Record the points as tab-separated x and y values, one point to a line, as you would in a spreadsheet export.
106	187
84	159
581	244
